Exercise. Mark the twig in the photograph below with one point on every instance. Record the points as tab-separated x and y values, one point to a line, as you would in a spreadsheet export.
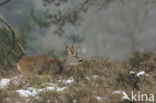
15	37
4	2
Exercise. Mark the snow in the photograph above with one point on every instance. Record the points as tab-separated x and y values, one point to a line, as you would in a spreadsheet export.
87	78
74	101
69	81
117	92
26	93
4	82
53	88
61	89
30	91
33	92
140	73
95	76
98	98
132	72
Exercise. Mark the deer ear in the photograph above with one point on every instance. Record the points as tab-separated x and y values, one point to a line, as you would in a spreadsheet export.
72	46
69	51
77	48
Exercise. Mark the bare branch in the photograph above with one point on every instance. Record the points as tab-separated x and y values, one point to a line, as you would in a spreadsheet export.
2	3
15	37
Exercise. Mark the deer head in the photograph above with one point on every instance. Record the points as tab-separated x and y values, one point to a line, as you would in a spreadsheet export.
73	57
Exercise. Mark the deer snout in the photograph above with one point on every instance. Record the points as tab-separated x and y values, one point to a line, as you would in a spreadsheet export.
80	61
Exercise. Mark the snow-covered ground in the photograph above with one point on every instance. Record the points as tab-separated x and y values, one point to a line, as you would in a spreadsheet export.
4	82
28	91
141	73
31	91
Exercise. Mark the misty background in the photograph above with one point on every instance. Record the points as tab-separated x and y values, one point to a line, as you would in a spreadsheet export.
113	31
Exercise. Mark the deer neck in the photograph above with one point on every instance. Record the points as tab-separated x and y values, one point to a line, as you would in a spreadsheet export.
66	64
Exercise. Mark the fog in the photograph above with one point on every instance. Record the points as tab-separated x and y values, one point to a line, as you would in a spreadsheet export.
114	31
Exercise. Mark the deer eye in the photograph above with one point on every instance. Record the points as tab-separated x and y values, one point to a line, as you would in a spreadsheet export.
75	57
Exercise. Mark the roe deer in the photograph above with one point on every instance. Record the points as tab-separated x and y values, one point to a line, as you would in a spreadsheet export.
42	65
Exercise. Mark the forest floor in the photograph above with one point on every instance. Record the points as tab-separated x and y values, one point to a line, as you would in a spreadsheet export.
100	80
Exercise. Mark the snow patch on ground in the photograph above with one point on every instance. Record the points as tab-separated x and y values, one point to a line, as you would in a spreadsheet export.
142	73
98	98
74	101
139	73
95	76
87	77
26	93
69	81
132	72
33	92
4	82
117	92
30	91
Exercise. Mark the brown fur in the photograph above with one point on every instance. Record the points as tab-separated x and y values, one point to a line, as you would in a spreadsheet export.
42	65
39	65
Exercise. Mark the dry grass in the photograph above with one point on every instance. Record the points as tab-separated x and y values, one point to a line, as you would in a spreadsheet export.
94	78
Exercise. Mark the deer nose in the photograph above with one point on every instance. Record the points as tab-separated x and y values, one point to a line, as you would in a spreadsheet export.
80	60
